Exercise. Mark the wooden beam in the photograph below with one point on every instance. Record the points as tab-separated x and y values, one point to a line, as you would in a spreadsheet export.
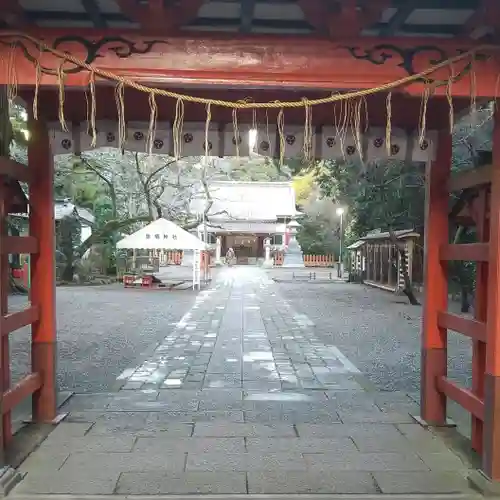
475	252
469	327
246	15
15	170
399	18
20	245
464	397
16	320
476	177
93	11
23	389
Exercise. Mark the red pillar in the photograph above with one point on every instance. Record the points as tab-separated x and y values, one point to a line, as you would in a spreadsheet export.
481	314
491	437
434	338
43	353
4	309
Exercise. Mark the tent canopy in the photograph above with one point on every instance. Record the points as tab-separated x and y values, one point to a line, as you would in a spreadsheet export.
162	234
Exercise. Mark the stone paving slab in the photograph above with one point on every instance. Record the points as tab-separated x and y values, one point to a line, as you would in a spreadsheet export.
421	482
365	462
299	445
230	429
245	461
299	482
62	482
183	483
138	461
360	431
96	444
192	445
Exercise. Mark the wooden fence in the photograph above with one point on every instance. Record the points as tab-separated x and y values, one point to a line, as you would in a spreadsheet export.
171	258
174	258
309	260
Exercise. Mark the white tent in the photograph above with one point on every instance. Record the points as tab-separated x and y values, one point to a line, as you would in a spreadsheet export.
163	234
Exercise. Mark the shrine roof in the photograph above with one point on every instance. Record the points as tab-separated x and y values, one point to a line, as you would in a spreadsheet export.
247	201
431	18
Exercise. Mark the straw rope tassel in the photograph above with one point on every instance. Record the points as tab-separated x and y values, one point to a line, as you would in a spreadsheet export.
12	73
255	128
38	80
236	133
388	124
449	98
281	134
422	122
268	137
357	127
343	124
177	128
60	84
153	115
207	128
473	86
308	132
93	110
120	108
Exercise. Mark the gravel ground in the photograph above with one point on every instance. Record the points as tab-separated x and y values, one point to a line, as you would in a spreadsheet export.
378	331
101	331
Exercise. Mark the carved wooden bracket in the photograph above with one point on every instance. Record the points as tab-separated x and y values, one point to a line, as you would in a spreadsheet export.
342	18
485	20
12	13
156	17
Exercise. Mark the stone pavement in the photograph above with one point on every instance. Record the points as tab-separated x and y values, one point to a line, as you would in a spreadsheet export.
242	397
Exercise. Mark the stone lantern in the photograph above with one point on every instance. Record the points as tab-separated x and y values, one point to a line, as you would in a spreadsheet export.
293	255
268	261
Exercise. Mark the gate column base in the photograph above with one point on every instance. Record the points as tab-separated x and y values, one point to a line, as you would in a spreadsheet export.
448	424
482	483
9	477
432	401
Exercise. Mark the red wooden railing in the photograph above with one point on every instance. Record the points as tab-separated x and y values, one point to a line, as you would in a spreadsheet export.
40	383
309	260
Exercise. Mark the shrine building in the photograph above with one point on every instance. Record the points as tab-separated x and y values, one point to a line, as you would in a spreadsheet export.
244	214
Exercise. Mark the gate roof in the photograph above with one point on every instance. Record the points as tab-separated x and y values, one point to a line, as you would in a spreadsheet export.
427	18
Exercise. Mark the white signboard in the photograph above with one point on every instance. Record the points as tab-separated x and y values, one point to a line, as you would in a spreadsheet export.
197	270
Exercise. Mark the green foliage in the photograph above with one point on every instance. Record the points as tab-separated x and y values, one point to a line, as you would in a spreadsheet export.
380	195
304	186
316	236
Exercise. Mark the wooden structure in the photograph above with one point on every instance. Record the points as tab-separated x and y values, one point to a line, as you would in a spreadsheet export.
309	260
377	261
295	51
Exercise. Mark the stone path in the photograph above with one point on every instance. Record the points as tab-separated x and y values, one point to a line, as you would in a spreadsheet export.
242	397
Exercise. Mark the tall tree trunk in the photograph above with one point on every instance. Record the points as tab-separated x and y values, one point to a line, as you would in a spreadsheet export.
464	300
